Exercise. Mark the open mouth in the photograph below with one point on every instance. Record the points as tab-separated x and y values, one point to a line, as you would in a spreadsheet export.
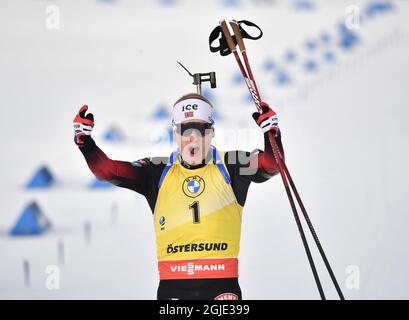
193	150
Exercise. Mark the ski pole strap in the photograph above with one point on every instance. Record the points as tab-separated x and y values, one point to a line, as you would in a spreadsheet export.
223	46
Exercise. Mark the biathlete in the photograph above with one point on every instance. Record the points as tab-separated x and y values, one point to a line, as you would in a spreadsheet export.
196	195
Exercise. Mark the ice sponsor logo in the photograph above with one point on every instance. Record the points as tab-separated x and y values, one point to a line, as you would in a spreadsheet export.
191	268
193	186
189	107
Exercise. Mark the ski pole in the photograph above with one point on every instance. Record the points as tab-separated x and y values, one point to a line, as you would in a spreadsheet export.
239	38
254	93
314	234
242	48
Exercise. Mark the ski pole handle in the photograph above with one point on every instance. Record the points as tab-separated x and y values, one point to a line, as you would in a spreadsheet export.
237	34
226	32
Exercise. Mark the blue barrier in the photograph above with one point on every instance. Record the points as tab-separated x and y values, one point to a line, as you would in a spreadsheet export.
348	38
248	98
237	78
207	93
290	55
32	221
42	178
282	78
325	38
167	2
161	112
113	134
310	45
230	3
268	65
100	184
304	5
310	65
328	56
377	7
165	137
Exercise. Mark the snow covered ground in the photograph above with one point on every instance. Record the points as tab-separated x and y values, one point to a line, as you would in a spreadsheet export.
344	123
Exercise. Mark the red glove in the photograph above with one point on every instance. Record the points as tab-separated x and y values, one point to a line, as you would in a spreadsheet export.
267	119
83	125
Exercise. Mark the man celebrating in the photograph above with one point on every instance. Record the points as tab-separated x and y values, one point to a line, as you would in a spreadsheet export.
196	195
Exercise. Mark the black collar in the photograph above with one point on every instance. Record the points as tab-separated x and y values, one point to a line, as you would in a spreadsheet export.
205	161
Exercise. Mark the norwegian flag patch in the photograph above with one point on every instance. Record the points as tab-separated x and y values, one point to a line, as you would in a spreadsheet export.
189	114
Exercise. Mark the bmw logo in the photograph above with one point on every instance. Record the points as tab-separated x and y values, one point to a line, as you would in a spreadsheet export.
193	186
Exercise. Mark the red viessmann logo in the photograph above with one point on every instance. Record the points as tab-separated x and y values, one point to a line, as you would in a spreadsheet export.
198	268
191	268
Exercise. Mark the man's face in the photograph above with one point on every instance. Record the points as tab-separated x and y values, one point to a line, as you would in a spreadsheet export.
194	139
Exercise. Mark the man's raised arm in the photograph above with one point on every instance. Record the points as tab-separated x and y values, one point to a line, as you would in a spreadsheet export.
120	173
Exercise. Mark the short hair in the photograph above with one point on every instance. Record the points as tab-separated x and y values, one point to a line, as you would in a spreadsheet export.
193	96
